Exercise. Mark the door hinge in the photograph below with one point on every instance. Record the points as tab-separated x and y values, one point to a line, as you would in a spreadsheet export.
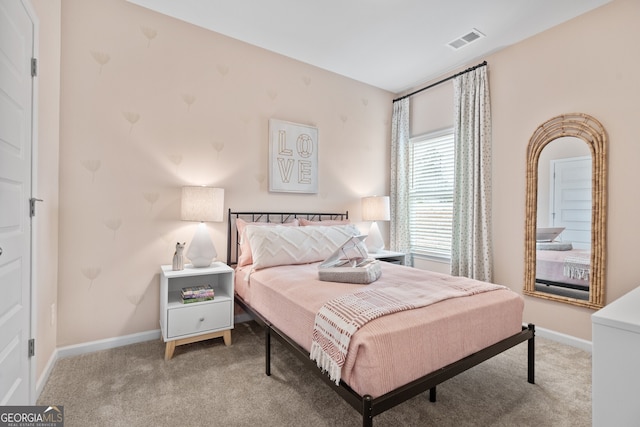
32	206
32	347
34	67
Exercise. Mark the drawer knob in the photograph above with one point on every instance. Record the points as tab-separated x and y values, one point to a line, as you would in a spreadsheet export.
202	319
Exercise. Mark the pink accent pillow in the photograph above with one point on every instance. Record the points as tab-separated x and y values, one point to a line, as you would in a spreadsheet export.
245	258
326	222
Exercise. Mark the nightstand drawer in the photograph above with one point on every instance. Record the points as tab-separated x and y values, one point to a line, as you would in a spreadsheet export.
199	318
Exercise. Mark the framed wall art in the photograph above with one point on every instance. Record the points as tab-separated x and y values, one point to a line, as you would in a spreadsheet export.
293	157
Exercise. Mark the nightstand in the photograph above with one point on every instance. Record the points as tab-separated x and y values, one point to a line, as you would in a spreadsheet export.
186	323
389	256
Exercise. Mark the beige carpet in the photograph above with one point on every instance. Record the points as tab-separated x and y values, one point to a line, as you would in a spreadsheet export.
208	384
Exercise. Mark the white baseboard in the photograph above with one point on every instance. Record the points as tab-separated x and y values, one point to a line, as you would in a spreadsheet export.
564	339
44	377
90	347
105	344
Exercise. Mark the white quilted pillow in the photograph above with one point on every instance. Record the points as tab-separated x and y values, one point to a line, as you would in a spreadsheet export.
279	245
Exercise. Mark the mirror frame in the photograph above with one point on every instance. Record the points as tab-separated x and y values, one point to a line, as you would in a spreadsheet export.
592	132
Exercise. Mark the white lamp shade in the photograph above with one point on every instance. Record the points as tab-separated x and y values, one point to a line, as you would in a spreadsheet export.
202	204
376	208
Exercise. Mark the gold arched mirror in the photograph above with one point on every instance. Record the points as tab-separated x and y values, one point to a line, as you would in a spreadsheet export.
565	224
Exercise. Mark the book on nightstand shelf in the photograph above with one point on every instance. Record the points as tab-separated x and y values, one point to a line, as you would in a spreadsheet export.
196	294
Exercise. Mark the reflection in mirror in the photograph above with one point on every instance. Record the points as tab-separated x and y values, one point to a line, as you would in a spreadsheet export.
565	230
563	222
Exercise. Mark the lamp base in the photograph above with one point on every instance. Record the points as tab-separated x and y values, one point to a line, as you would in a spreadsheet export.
201	251
374	240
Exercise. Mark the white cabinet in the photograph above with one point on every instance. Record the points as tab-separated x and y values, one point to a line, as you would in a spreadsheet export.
616	362
186	323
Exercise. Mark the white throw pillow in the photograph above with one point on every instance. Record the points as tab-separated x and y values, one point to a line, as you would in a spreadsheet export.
271	246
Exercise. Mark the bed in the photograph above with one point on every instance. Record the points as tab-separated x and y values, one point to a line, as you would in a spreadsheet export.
446	337
566	268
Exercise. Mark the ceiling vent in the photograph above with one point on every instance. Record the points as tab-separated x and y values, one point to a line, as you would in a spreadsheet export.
464	40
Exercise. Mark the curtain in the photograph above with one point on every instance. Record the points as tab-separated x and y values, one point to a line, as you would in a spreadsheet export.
399	186
471	251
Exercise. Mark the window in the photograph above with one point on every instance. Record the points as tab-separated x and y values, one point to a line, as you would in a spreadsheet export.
431	194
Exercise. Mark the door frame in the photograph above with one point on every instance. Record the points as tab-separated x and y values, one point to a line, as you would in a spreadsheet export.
553	188
34	190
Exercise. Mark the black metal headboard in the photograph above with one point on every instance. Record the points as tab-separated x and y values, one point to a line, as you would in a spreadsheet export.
233	243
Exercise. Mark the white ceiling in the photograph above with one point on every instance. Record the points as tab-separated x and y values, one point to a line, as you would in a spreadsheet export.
391	44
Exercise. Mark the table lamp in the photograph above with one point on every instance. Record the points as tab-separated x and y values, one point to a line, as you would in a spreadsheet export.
375	208
204	204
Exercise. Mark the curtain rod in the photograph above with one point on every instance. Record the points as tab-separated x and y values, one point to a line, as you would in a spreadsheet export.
441	81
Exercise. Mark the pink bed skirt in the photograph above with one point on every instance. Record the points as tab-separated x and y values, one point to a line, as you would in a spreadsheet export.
393	350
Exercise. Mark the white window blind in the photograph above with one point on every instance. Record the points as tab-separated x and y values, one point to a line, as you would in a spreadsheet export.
431	194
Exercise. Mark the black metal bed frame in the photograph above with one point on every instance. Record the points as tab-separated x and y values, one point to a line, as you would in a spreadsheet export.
233	244
563	285
366	405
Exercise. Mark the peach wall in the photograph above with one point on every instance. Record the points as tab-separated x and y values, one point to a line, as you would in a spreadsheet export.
120	177
587	65
46	220
150	104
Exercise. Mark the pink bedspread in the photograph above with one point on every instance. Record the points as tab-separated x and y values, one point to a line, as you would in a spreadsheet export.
392	350
550	266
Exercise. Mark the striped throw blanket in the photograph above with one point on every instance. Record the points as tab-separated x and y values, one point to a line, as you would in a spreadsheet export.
577	267
340	318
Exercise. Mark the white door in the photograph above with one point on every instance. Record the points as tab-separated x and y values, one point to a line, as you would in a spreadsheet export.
571	200
16	90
